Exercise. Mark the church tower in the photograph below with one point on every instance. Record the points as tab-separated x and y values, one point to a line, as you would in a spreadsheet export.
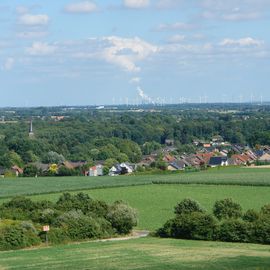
31	132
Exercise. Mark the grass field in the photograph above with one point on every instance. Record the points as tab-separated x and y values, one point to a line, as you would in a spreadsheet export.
228	176
155	202
148	254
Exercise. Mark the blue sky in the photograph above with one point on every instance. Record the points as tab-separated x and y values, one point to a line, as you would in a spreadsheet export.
72	52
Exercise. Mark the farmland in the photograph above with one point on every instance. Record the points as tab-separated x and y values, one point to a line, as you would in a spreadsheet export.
228	176
154	197
147	253
155	202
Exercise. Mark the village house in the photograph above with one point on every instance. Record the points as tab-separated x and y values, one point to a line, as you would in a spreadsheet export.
218	161
264	158
119	169
178	165
95	170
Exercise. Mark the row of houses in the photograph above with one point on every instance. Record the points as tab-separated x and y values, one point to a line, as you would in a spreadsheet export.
211	156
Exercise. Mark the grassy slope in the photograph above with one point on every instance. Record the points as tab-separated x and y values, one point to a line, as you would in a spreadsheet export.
149	253
155	203
28	186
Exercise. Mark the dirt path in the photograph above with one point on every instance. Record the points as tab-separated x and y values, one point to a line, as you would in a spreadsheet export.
134	235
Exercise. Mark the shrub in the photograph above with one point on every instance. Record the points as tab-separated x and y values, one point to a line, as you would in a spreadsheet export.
265	210
20	203
166	230
63	171
30	171
15	236
79	226
46	216
227	208
56	236
187	206
261	230
195	225
234	230
122	217
251	215
83	202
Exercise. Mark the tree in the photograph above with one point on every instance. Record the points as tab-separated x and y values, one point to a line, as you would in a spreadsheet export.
227	208
194	225
188	206
30	171
53	157
53	169
122	217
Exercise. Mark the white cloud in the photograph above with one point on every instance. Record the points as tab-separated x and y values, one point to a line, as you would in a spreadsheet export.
243	42
136	3
241	16
135	80
34	20
32	34
125	52
9	63
81	7
41	49
22	9
176	26
177	38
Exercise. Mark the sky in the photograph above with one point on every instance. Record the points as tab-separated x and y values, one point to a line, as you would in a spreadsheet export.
72	52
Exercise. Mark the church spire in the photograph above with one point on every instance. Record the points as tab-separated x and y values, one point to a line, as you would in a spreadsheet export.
31	132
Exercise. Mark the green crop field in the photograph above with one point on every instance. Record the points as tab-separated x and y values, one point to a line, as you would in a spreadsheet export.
228	176
147	253
155	202
154	197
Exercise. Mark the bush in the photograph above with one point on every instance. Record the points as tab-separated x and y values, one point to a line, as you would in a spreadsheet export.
63	171
195	225
187	206
227	208
234	230
265	210
251	215
122	217
15	236
30	171
261	230
79	226
83	202
56	236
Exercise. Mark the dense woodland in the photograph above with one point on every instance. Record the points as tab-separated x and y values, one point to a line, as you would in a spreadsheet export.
124	133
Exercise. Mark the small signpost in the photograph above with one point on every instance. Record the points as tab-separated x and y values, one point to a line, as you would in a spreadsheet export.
45	229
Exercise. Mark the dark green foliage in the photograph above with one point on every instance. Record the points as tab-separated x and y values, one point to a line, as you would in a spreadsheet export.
265	210
187	206
122	217
73	217
82	202
261	230
79	226
227	208
234	230
251	215
18	235
56	236
63	171
30	171
231	226
194	225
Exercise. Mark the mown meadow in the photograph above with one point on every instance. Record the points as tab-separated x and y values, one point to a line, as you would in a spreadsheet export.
148	253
